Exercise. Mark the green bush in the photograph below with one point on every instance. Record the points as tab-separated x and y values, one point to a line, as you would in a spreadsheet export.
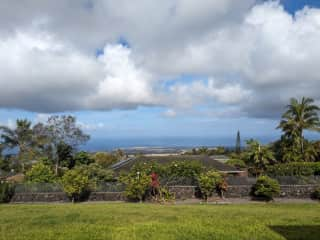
76	184
96	173
209	182
105	159
40	173
185	169
137	185
238	163
6	192
316	194
83	158
294	169
266	188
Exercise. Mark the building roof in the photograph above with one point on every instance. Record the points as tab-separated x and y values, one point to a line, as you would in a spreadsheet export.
207	161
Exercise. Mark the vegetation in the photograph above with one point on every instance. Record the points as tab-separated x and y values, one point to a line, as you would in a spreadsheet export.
238	163
40	173
266	188
137	185
144	221
294	169
238	143
75	184
210	182
259	156
6	191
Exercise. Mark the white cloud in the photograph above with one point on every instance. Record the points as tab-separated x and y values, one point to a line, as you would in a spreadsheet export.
253	56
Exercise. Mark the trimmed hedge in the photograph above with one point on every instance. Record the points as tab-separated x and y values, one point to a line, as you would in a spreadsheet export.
294	169
265	188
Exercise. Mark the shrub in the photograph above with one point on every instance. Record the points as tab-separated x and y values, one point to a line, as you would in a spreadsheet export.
209	182
137	185
294	169
266	188
6	192
105	159
96	173
40	173
316	194
238	163
83	158
186	169
75	184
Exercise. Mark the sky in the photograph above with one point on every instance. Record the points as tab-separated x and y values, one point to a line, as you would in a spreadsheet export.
171	68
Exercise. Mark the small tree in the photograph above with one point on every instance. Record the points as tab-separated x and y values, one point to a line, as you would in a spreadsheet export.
209	182
40	173
75	184
266	188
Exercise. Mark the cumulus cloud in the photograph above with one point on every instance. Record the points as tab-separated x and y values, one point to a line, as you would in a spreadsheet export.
252	56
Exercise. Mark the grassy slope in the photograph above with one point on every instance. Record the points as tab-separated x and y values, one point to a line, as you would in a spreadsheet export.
146	221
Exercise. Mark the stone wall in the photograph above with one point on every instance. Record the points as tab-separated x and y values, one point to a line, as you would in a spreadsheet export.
183	192
180	192
39	197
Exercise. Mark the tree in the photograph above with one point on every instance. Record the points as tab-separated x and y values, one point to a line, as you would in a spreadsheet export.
21	138
83	158
64	130
40	173
259	156
238	143
209	182
299	116
75	184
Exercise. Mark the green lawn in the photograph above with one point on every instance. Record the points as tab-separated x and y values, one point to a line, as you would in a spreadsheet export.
147	221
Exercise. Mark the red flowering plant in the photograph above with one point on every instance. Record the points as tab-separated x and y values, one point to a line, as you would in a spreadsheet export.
155	185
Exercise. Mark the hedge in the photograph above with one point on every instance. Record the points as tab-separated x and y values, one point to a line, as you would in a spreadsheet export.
294	169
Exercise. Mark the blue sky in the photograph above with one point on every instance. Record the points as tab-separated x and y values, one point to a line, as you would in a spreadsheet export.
164	70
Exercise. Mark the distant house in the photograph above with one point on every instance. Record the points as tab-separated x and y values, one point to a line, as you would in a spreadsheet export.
207	161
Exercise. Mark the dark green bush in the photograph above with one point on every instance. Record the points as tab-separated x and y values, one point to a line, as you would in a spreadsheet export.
294	169
316	194
238	163
266	188
6	191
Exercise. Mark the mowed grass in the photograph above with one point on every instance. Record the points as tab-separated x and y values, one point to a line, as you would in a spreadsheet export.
149	221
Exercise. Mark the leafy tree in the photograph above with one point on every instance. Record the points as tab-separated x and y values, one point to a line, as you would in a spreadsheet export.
83	158
21	138
259	156
75	184
40	173
64	130
238	143
65	155
299	116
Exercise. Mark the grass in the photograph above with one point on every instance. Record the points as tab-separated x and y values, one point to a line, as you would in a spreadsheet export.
146	221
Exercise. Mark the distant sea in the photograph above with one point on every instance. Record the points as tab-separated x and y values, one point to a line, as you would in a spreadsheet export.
107	144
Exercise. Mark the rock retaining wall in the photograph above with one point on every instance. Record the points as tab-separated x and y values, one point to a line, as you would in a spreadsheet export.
180	192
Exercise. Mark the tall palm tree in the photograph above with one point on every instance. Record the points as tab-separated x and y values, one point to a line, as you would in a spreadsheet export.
20	137
300	116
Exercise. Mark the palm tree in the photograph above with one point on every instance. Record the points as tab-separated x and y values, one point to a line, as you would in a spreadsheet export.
20	137
300	116
259	156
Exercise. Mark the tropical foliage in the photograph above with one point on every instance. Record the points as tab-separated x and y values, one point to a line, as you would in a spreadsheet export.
266	188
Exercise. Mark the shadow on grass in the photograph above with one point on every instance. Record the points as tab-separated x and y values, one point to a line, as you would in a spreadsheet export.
298	232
